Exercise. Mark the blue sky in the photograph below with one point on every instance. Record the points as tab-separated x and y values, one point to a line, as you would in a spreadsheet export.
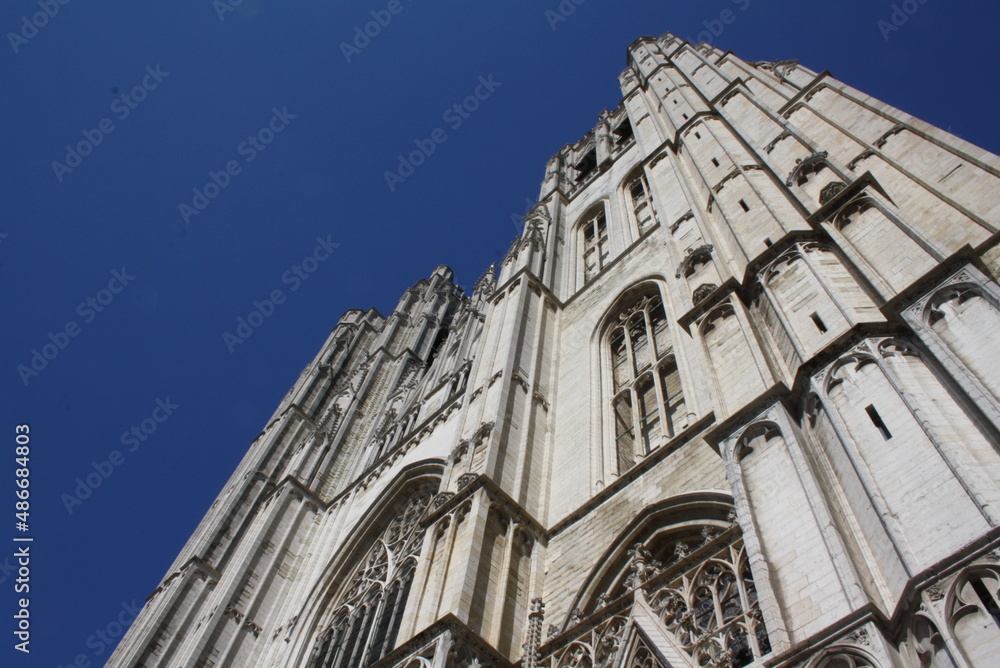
133	294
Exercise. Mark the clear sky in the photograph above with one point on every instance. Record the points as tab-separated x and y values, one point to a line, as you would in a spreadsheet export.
129	281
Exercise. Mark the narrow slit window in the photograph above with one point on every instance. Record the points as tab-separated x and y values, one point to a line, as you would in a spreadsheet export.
877	421
768	242
685	116
697	135
818	321
715	162
744	205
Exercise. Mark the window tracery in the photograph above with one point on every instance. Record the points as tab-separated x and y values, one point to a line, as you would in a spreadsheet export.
711	607
368	613
594	241
845	659
642	202
648	402
696	580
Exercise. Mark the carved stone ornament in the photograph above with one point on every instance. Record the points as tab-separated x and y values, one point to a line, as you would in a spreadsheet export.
831	190
774	142
861	637
935	592
466	480
703	292
703	252
864	155
896	129
441	499
804	167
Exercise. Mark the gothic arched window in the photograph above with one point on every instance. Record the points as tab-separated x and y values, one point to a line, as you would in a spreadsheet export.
694	579
594	243
975	615
648	402
637	190
368	611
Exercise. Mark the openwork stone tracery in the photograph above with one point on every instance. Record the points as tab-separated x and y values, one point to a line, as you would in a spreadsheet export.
368	612
699	587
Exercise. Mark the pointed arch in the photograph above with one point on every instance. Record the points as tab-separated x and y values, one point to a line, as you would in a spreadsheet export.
684	559
643	390
973	613
844	657
593	242
639	200
353	613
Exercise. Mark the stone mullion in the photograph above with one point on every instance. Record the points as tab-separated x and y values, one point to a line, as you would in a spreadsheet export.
661	393
601	464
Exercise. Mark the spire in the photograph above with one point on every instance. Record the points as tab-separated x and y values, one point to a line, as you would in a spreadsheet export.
533	634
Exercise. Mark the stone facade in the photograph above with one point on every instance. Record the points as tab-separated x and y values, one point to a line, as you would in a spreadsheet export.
732	398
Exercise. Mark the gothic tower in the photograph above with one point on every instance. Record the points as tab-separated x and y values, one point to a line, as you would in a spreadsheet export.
732	398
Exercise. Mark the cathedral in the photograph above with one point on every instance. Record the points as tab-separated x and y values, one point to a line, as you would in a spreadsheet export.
731	399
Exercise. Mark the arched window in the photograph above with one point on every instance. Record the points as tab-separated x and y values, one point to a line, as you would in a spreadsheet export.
648	402
697	582
845	659
594	243
639	197
368	611
975	615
